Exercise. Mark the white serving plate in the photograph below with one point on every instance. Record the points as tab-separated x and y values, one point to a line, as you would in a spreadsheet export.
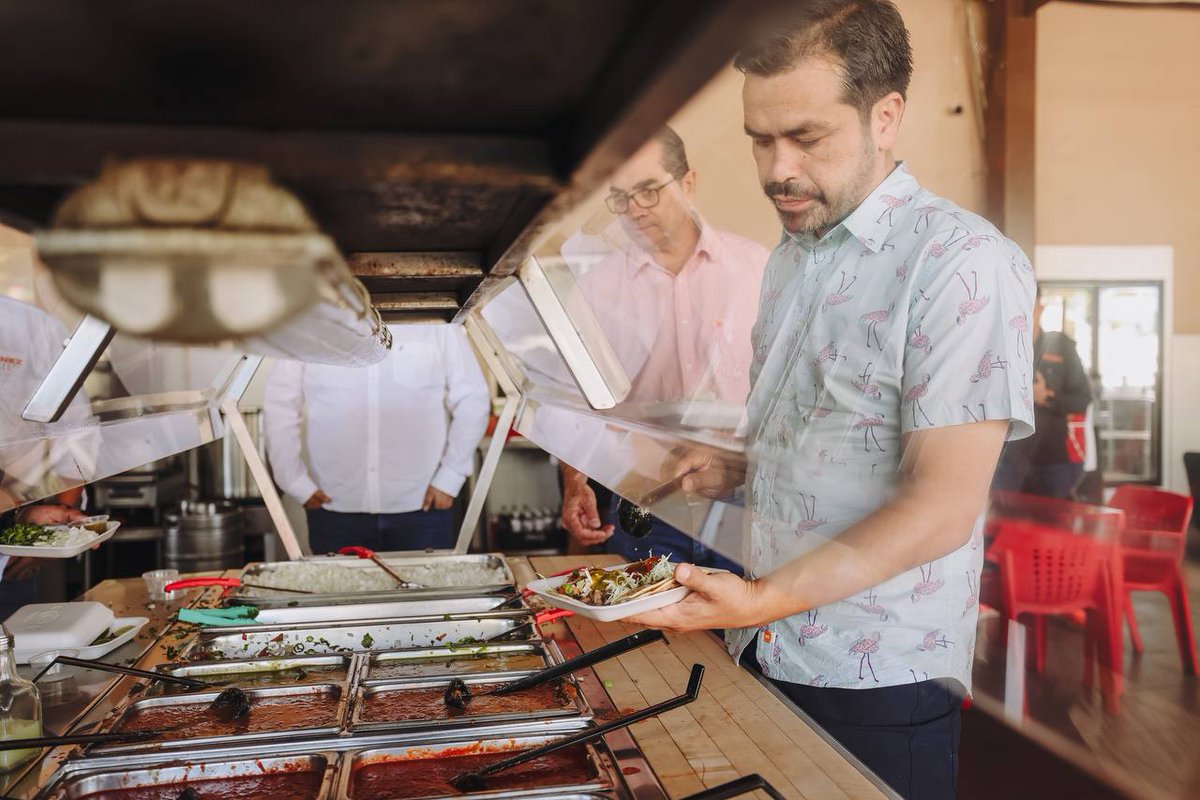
544	587
39	551
97	650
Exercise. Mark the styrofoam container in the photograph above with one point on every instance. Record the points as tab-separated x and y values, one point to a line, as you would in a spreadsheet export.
39	627
133	626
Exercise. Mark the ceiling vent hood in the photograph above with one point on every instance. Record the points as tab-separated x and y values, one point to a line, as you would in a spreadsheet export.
198	251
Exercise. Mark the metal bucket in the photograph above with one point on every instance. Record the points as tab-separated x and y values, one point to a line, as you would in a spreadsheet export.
223	468
205	536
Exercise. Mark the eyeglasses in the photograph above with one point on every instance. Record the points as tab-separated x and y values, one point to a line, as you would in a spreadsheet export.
618	202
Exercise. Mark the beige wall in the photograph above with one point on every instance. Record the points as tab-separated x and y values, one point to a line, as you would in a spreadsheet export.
1118	134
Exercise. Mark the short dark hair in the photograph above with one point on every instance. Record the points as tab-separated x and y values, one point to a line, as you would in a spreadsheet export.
867	36
674	156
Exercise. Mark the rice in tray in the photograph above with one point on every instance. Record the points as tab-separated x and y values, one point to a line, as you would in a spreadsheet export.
344	578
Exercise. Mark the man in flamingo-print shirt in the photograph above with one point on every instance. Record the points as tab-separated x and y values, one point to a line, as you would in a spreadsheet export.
887	375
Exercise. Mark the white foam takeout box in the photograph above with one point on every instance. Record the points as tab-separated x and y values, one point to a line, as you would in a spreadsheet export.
40	627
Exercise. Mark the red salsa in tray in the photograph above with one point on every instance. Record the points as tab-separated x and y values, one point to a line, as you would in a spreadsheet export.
410	704
276	786
406	779
271	713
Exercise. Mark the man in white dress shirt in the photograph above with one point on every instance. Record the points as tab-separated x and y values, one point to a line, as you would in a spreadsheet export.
389	446
30	455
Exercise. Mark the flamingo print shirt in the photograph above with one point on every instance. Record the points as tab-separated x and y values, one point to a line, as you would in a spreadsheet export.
910	314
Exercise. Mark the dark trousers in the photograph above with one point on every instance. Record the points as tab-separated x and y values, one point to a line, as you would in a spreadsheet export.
1047	480
329	531
17	592
907	735
663	540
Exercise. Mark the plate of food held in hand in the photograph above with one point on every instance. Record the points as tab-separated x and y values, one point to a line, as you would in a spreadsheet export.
607	594
56	541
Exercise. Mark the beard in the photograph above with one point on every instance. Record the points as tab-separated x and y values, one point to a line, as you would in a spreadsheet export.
828	208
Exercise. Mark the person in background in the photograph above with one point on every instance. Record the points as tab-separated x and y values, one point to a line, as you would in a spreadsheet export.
1051	462
389	446
30	460
886	381
677	304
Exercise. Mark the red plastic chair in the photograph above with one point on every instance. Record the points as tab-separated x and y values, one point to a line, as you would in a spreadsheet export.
1101	523
1152	549
1044	571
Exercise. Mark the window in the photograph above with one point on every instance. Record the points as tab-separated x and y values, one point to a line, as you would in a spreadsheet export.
1117	327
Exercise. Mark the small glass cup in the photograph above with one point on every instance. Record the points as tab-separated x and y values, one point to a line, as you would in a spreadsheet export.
58	685
156	581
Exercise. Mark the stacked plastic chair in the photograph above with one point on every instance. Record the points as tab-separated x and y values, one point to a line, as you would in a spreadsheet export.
1152	550
1062	557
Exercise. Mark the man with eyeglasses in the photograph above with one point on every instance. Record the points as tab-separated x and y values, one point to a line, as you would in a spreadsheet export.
677	302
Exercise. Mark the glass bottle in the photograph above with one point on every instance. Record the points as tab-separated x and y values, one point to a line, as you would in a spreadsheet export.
20	707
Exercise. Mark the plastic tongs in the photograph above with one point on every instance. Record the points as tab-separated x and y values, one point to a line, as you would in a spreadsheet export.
233	583
540	618
366	552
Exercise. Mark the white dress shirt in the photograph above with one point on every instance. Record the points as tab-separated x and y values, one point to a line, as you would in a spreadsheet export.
377	437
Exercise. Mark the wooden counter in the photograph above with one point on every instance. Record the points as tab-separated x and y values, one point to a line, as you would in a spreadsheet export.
737	727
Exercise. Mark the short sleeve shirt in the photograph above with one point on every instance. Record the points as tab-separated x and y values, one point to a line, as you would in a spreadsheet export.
684	335
910	314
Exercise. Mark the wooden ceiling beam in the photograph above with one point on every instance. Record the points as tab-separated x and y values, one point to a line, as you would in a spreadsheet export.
672	53
1009	122
438	265
66	154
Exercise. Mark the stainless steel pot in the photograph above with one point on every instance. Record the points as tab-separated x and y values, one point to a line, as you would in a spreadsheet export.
223	470
205	535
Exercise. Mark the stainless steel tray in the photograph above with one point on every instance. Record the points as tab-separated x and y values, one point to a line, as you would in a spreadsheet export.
264	598
248	669
305	614
78	783
99	769
116	722
351	761
575	707
274	641
426	662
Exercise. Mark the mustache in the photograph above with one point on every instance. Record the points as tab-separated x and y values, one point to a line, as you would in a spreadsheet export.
791	190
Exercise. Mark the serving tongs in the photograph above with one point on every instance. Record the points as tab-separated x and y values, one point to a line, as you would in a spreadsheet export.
539	618
635	518
366	552
458	694
232	703
233	583
477	781
77	738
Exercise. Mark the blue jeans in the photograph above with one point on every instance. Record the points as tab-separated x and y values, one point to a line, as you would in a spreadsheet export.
329	531
664	540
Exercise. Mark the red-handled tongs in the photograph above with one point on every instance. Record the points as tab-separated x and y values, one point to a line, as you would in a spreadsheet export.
366	552
231	583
